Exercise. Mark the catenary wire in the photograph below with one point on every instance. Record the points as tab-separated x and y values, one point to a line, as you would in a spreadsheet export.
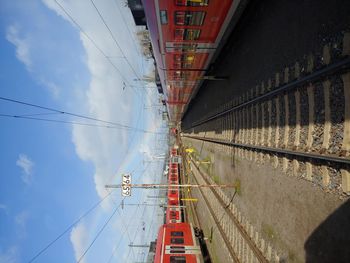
78	123
127	26
127	226
65	113
69	227
115	41
130	249
98	234
58	111
95	44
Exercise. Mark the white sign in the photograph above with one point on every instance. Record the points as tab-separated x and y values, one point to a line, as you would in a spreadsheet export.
126	185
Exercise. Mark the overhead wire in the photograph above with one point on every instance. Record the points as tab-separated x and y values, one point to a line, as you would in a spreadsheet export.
58	111
60	121
115	41
127	26
28	116
78	123
98	234
130	248
124	225
116	125
95	44
69	228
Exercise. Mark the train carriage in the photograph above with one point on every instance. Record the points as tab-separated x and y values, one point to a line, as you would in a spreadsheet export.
173	196
185	35
177	243
173	215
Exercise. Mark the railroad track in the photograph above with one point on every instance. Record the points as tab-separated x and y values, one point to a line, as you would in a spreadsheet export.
301	126
238	237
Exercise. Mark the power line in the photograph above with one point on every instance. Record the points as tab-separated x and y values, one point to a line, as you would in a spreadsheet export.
59	121
77	123
98	234
130	248
69	228
124	225
127	26
115	249
121	237
58	111
115	41
67	113
95	44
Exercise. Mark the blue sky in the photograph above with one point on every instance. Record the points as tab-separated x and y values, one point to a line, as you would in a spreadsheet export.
52	173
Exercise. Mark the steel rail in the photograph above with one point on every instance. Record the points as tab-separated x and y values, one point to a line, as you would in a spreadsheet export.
191	207
219	227
258	254
327	158
322	73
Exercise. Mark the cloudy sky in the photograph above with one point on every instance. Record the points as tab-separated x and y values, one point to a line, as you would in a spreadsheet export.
80	57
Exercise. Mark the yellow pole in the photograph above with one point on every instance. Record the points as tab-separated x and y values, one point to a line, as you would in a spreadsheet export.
189	199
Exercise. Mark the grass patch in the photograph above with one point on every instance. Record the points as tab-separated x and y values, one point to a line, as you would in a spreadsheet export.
268	232
237	184
216	179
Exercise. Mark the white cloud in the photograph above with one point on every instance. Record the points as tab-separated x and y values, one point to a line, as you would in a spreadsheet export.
54	90
27	168
78	238
11	255
105	97
108	150
21	43
21	221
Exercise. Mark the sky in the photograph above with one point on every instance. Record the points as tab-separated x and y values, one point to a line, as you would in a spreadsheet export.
80	57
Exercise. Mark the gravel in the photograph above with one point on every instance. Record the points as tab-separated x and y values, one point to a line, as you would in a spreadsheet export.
337	103
304	118
292	119
319	117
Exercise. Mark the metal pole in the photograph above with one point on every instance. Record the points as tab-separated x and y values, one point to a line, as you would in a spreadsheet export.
132	245
152	186
156	196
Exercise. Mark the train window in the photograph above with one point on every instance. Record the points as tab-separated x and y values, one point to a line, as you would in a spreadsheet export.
177	259
177	233
179	33
185	47
163	17
192	34
177	57
177	247
191	2
189	18
177	240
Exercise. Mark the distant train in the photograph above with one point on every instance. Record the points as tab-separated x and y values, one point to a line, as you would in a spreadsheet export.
178	241
185	35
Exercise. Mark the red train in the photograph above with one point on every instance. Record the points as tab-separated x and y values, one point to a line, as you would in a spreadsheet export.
185	34
178	241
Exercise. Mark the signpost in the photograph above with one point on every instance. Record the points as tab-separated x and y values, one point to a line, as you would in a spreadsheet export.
126	185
